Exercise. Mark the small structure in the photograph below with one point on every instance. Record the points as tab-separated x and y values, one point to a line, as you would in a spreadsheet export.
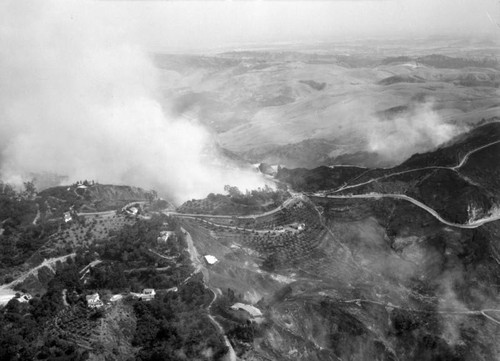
115	298
165	236
132	211
298	226
148	294
25	298
67	217
93	301
253	311
211	260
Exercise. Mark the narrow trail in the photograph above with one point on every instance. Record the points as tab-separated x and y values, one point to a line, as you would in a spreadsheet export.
168	258
7	290
451	168
103	213
466	157
199	267
359	301
37	217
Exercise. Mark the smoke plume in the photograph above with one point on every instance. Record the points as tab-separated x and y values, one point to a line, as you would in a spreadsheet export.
419	131
78	98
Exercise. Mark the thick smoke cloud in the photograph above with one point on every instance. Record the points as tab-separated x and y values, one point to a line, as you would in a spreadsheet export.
78	98
394	137
420	130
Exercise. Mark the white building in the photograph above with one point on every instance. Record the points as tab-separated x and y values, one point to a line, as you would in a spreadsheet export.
93	301
211	260
252	310
115	298
67	217
148	294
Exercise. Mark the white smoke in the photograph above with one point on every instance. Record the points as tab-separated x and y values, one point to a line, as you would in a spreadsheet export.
78	98
419	131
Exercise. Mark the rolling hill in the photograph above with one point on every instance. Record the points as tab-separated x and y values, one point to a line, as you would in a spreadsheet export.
333	104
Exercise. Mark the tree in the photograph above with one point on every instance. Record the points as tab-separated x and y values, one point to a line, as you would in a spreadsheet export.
232	191
29	189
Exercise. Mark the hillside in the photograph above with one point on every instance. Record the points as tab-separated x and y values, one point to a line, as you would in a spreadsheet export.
350	263
51	267
95	197
235	202
334	104
342	272
458	179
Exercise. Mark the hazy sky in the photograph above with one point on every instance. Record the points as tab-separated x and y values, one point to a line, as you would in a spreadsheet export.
200	24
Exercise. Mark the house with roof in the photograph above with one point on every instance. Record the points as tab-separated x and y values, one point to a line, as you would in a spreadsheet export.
93	301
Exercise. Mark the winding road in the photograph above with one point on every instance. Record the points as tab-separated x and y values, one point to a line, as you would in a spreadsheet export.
46	263
454	168
471	225
7	290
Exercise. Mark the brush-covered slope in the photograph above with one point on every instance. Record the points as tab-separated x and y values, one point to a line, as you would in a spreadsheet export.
341	276
459	179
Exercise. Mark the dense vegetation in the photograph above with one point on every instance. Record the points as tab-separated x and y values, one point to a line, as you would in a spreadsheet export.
25	327
176	326
236	202
319	178
59	325
19	237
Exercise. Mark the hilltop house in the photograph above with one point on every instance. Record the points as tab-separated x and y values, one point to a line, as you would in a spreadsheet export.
93	301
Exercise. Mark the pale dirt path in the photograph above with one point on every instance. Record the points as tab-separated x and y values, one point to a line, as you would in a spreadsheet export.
7	290
359	301
454	168
199	267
